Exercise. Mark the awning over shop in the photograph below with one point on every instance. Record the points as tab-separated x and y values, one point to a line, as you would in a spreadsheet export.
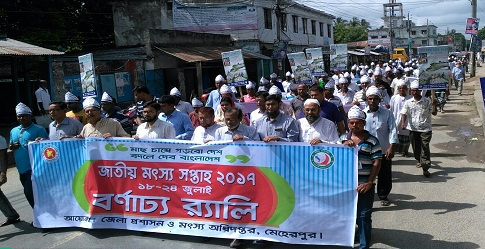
195	54
13	47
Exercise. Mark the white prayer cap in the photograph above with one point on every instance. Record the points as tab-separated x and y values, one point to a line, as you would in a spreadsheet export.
390	61
394	63
354	67
346	75
273	76
414	64
415	84
225	89
372	63
406	69
293	75
335	77
175	92
340	75
362	72
89	102
219	78
366	67
106	98
356	113
401	83
394	70
385	65
197	103
274	90
406	64
250	85
330	85
233	89
288	74
372	90
263	81
342	80
22	109
370	72
365	79
377	72
388	69
311	101
70	98
262	89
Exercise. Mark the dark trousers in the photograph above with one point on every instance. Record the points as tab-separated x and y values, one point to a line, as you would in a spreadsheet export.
26	180
384	179
365	203
6	208
420	143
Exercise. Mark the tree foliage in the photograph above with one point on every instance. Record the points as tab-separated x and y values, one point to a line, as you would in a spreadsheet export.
350	31
65	25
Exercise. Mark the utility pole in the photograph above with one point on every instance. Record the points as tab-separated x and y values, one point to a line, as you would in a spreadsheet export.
391	32
410	41
278	34
474	63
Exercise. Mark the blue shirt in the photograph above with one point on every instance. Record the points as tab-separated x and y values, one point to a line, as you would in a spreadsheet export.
23	137
248	132
283	126
381	124
458	73
214	99
181	123
68	127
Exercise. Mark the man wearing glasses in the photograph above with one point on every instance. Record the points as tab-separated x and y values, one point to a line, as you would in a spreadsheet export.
98	126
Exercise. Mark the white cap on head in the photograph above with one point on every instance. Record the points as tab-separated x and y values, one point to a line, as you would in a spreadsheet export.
372	63
346	74
288	74
175	92
263	81
394	70
219	78
354	67
330	85
362	72
342	80
388	69
273	76
415	84
106	98
356	113
372	90
335	77
89	102
311	101
197	103
250	85
225	89
274	90
233	89
377	72
70	98
401	83
406	69
365	79
262	89
22	109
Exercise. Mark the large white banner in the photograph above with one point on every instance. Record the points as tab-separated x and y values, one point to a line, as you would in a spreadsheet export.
338	57
314	58
433	67
234	67
299	66
88	77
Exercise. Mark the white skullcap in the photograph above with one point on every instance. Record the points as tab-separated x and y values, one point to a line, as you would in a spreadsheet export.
219	78
388	69
406	64
394	63
346	75
372	90
330	85
356	113
225	89
354	67
370	72
106	98
340	75
22	109
273	76
250	85
263	81
89	102
335	77
401	82
390	61
274	90
366	67
377	72
288	74
365	79
175	92
406	69
385	65
415	84
394	70
311	101
70	98
233	89
262	89
362	72
293	75
342	80
372	63
197	103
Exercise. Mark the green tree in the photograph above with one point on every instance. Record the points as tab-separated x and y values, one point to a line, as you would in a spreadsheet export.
350	31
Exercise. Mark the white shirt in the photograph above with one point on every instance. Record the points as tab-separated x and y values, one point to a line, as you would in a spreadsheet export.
348	98
255	115
397	102
418	114
43	96
204	135
321	128
395	83
159	130
184	107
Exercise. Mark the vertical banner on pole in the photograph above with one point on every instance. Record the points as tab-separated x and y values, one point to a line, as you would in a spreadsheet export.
88	77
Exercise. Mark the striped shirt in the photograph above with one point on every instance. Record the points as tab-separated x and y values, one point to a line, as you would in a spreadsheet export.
369	150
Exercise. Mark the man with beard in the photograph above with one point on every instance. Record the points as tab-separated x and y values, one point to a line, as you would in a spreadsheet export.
397	102
206	131
315	129
20	137
142	96
297	103
381	124
98	126
154	128
275	125
327	109
234	130
75	107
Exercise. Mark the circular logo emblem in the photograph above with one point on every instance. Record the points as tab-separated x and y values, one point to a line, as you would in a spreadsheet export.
50	153
322	159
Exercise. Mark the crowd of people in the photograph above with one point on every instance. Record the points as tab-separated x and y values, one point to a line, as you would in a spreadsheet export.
377	108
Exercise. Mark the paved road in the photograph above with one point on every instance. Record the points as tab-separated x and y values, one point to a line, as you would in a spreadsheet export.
445	211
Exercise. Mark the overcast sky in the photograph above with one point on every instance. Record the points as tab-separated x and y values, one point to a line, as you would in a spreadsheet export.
444	14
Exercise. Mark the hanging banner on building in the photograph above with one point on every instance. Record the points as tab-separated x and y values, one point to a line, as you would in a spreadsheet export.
234	67
279	50
88	77
214	17
314	58
433	67
338	57
472	26
299	66
296	193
